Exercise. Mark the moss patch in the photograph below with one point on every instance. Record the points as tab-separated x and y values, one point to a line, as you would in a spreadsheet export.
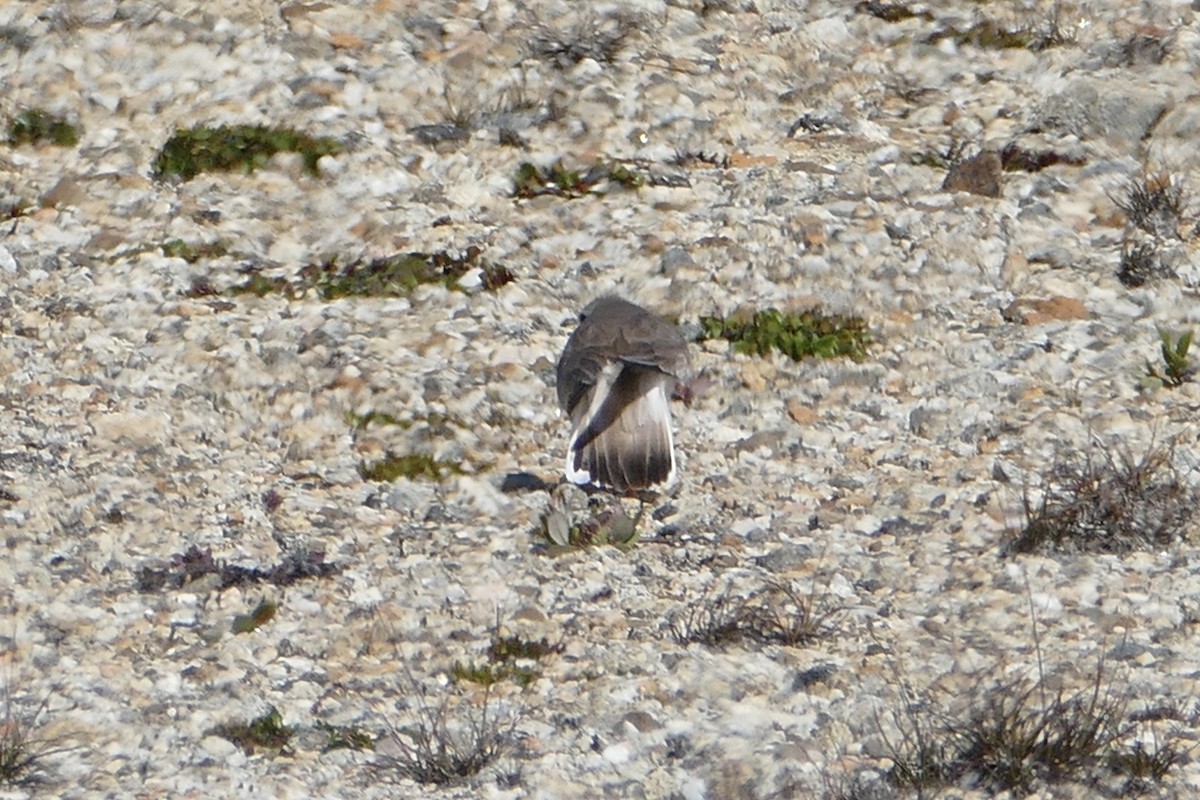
265	733
261	615
413	466
988	34
798	336
37	126
393	276
237	148
533	181
193	252
509	658
345	737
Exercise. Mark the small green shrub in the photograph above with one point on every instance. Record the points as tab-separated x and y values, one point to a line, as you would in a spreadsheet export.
510	648
989	34
37	126
798	336
1177	364
611	526
264	733
237	148
490	674
1018	733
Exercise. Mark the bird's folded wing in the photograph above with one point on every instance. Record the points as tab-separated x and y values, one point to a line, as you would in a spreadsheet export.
621	430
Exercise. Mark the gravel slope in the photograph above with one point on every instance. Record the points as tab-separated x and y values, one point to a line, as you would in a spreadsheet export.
141	414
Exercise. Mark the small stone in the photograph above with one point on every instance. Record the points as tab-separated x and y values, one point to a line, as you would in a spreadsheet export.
800	412
674	259
639	720
981	174
787	557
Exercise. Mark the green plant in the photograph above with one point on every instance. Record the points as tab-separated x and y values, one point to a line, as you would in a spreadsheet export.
610	526
990	34
503	656
533	181
1014	735
243	148
1148	762
798	336
345	737
1177	365
263	613
918	748
715	621
37	126
1019	734
266	732
412	466
512	647
260	285
393	276
489	674
191	253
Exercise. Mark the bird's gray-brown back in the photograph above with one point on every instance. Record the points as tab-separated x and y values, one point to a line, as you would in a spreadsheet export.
612	329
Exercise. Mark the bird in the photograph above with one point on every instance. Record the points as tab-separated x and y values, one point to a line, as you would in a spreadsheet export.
615	378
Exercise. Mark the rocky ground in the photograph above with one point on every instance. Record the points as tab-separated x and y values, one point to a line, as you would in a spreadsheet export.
789	154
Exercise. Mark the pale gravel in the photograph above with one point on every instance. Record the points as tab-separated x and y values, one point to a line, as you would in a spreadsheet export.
121	393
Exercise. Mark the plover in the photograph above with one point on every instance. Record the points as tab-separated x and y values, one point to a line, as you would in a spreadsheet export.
615	379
